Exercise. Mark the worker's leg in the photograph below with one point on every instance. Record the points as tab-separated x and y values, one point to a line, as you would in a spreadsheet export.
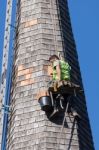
55	84
56	110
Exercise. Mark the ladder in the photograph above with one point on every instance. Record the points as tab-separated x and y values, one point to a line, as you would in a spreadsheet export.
5	62
6	73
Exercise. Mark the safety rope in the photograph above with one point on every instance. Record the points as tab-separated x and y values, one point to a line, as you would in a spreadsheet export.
52	12
60	24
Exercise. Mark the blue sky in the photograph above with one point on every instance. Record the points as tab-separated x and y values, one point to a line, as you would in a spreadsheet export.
85	23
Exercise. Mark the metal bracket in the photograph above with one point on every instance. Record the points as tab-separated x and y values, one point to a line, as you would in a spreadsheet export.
12	26
6	108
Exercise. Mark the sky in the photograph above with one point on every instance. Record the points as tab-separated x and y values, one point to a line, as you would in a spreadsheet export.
85	23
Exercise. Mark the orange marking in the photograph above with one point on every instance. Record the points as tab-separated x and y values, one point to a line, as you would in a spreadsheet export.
25	71
31	23
42	93
27	82
28	76
21	67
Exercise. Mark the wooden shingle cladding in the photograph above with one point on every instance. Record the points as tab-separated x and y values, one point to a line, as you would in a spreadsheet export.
41	31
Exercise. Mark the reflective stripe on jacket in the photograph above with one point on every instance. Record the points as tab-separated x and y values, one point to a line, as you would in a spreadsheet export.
65	70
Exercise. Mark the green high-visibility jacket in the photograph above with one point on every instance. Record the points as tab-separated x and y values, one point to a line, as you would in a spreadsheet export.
65	70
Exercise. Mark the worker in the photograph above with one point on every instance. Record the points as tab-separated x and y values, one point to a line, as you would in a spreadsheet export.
61	69
61	72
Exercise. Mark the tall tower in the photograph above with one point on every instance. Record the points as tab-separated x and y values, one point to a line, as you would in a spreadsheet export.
43	29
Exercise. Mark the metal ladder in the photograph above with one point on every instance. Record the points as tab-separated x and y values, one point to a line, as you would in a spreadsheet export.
5	62
6	73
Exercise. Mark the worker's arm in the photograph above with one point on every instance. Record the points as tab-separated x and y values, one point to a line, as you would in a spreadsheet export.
58	70
50	70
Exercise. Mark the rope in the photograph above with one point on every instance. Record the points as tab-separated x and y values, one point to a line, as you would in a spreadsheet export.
60	23
53	23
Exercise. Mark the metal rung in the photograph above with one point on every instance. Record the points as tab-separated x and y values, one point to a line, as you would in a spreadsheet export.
12	26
